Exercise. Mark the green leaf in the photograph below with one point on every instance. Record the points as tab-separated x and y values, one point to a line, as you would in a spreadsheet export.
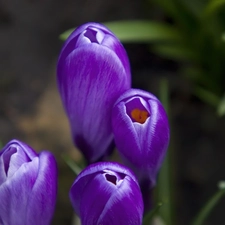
73	166
210	205
174	52
66	34
221	107
143	31
139	31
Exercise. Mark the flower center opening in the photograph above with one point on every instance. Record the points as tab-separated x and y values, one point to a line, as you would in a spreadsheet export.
139	116
91	35
136	109
111	178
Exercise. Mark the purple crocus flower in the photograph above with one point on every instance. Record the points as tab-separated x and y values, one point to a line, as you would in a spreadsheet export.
107	193
141	133
28	185
93	71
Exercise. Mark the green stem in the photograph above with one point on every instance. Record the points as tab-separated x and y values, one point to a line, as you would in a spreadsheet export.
164	187
205	211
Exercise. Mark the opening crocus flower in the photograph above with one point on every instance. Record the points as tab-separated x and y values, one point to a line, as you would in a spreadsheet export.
107	193
141	133
28	185
93	71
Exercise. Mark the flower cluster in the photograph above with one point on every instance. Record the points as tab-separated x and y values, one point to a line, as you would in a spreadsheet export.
104	112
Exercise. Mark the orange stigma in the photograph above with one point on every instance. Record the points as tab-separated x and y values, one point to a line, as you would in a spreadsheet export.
139	116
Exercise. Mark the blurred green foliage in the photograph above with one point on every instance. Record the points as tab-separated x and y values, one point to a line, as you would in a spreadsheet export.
201	27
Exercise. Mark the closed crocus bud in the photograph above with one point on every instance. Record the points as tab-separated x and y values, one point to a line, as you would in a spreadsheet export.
28	185
141	133
93	71
107	193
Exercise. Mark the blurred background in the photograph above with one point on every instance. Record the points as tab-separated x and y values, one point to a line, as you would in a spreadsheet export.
184	45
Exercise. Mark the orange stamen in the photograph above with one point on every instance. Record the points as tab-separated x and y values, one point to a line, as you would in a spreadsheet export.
139	116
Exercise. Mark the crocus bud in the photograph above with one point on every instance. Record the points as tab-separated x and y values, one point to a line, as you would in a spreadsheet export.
141	133
28	185
107	193
93	71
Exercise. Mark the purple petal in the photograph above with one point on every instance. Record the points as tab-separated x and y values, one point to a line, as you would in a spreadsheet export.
2	171
125	206
92	205
88	96
115	45
15	192
41	202
19	144
16	161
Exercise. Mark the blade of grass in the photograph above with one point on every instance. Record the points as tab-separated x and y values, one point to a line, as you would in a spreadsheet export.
73	166
210	205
